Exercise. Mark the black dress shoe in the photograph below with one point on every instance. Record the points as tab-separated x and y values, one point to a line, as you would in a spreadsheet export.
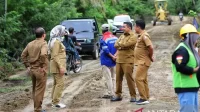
116	99
133	100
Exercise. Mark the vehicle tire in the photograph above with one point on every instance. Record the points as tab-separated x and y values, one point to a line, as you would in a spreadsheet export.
169	21
68	68
78	67
154	21
95	54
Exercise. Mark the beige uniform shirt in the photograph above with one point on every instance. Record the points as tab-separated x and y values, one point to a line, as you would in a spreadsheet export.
35	54
58	57
125	48
141	49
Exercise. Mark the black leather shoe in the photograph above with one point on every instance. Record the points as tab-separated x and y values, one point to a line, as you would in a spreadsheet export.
116	99
133	100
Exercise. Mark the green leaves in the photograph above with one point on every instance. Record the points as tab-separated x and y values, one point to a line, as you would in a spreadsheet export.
23	16
192	13
185	6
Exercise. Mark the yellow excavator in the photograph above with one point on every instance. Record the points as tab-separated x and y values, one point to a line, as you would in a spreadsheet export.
162	15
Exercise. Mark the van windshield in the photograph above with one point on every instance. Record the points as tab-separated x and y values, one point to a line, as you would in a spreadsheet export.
121	19
79	26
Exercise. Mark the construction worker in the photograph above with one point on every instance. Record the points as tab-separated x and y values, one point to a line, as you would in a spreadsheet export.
107	58
57	64
143	58
185	69
125	61
35	59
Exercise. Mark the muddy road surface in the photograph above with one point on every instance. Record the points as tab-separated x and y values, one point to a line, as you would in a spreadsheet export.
83	91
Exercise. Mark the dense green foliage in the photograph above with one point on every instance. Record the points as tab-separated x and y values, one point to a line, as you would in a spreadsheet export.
185	6
23	16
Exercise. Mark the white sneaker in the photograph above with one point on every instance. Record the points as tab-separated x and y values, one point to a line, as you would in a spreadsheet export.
60	105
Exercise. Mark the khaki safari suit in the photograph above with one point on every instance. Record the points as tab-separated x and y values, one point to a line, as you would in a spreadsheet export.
58	61
125	62
35	57
143	61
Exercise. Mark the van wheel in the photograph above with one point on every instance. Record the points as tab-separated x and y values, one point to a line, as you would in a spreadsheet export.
95	54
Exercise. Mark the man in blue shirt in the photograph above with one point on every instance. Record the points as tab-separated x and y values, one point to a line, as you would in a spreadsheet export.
107	58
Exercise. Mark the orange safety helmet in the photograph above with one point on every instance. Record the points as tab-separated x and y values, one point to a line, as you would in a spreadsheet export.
188	28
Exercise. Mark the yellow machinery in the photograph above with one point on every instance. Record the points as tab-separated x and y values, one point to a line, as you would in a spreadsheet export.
162	14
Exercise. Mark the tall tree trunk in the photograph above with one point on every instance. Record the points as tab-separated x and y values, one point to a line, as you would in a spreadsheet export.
193	2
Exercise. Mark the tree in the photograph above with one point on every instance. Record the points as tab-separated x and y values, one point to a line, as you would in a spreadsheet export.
25	15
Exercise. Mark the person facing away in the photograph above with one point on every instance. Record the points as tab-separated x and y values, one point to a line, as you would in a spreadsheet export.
125	62
35	59
185	69
107	58
143	56
57	64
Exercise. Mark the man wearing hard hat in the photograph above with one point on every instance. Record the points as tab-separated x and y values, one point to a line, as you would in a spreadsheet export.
107	58
185	68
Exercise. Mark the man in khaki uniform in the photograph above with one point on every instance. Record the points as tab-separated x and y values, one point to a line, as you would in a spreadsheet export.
143	58
35	59
125	59
57	64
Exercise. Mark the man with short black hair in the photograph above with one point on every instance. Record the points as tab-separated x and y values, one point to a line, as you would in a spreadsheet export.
73	38
125	62
143	58
71	35
129	24
34	57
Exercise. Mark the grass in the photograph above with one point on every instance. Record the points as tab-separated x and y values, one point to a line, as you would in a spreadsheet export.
25	78
12	89
18	84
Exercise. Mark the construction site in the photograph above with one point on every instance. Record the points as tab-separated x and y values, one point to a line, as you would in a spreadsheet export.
83	90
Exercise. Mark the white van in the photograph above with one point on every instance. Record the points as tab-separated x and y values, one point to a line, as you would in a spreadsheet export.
119	21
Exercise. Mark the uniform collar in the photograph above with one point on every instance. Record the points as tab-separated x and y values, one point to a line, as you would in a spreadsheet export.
142	33
107	35
129	33
38	39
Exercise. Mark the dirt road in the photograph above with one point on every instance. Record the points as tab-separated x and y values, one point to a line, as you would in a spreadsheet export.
83	91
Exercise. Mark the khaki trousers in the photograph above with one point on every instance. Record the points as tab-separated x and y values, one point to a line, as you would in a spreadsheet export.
58	87
141	81
109	75
39	79
127	70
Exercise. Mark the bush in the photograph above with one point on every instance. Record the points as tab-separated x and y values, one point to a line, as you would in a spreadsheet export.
7	65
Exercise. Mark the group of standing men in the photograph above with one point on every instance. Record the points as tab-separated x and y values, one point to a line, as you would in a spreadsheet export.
124	52
127	51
